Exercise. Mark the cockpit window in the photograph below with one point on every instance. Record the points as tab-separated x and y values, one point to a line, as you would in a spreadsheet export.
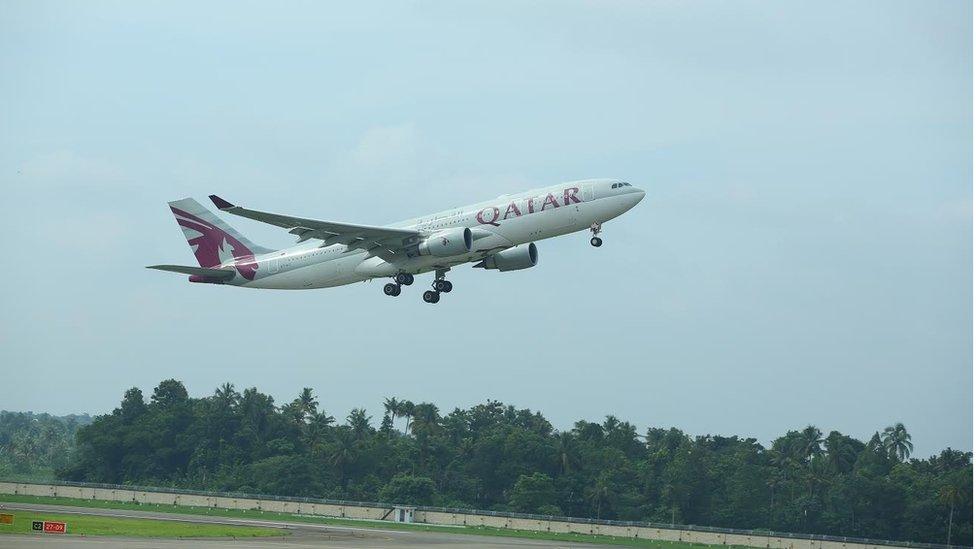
614	186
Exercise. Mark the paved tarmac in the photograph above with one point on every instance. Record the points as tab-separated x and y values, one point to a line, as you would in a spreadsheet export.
301	535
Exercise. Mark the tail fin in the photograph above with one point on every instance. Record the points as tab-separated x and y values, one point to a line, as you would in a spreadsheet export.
213	241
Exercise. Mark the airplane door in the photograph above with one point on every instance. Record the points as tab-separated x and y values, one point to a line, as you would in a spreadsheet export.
273	265
587	193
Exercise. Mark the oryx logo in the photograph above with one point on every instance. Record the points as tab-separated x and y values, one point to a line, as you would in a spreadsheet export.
214	247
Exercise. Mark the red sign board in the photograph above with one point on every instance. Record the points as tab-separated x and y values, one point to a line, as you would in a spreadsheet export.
52	527
49	526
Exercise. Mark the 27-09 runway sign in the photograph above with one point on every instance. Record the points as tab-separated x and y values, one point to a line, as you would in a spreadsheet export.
49	526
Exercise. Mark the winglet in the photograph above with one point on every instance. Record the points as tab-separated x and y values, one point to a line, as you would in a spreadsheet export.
220	202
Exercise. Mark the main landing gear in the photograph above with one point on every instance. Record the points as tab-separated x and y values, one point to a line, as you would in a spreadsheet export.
440	286
401	279
596	241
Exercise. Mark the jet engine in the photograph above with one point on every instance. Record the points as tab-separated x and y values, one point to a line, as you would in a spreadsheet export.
446	243
512	259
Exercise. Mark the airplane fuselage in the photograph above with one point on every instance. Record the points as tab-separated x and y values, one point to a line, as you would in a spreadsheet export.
501	223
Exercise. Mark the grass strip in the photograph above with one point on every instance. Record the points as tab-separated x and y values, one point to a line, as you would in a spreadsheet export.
383	525
89	525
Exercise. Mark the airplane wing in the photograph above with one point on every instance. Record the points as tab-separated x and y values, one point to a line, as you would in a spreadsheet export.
382	241
219	274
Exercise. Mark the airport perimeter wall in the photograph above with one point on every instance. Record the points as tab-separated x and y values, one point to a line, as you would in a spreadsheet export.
449	517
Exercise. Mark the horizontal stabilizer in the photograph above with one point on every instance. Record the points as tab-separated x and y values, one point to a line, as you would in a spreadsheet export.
217	274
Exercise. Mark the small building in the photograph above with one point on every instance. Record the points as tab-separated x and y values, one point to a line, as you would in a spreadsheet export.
403	514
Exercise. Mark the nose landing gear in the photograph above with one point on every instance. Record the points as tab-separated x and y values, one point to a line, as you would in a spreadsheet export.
596	241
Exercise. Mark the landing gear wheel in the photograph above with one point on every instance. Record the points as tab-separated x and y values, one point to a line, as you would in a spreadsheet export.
391	289
443	286
431	296
404	278
596	241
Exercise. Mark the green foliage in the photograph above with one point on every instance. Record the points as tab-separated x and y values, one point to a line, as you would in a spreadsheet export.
493	456
408	489
32	445
535	493
287	474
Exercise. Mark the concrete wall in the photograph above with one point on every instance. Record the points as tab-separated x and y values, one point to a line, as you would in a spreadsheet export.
426	517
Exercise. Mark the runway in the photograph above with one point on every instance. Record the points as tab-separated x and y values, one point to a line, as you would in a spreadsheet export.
301	535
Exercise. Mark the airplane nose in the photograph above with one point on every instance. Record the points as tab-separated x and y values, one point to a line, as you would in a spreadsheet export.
638	195
633	196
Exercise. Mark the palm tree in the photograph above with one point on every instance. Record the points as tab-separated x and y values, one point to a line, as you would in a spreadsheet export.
598	493
307	403
406	410
809	443
343	452
775	480
359	422
897	442
817	475
226	395
256	409
785	467
841	453
318	426
779	460
294	413
386	425
426	417
875	441
950	459
950	495
392	406
566	447
587	431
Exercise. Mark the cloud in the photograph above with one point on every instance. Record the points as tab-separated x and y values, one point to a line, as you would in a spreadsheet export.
70	168
390	147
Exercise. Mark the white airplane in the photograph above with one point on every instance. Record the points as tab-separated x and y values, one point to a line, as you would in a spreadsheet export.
498	234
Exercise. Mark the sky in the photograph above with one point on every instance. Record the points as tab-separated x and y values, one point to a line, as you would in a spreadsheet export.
803	255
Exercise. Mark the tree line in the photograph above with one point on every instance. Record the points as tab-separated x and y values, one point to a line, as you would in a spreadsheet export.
497	457
33	445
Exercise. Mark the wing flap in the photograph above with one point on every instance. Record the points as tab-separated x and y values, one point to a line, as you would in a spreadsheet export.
357	236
